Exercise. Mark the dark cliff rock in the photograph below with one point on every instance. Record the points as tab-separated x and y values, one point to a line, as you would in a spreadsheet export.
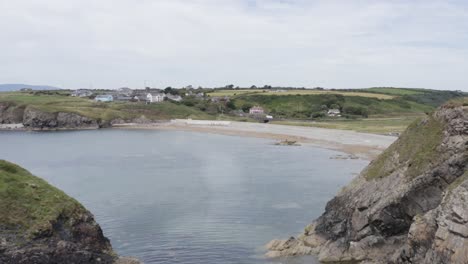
40	224
40	120
408	206
32	118
11	114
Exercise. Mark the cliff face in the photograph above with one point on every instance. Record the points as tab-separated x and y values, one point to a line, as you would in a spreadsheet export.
408	206
41	224
10	114
36	119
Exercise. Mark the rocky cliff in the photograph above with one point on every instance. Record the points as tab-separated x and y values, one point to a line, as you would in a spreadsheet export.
36	119
410	205
11	114
40	224
39	120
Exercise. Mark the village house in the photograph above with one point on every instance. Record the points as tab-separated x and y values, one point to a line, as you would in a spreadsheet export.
104	98
82	93
199	95
125	91
334	112
155	97
175	98
256	110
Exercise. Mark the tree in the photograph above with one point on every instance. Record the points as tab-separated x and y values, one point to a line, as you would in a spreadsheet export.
171	90
246	107
231	105
335	106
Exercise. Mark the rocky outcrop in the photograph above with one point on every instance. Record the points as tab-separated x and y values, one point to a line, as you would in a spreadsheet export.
19	117
10	114
36	119
41	120
408	206
40	224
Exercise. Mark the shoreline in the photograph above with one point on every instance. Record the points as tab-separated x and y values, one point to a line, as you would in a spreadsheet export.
363	145
357	144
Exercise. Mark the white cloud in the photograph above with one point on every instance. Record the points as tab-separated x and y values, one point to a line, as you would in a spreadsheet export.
112	43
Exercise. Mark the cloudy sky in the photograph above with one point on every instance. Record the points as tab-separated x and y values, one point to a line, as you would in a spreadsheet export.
334	44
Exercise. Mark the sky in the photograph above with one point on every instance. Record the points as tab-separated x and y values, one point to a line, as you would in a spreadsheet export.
213	43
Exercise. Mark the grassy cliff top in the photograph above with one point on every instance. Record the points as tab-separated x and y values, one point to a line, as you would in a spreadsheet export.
416	147
97	110
29	204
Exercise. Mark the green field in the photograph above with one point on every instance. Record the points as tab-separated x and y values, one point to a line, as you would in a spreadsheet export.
371	125
295	92
395	91
307	106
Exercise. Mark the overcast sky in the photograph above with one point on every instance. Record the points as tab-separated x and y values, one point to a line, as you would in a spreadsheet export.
333	44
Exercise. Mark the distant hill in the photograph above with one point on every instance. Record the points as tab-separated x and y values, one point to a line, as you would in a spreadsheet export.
17	86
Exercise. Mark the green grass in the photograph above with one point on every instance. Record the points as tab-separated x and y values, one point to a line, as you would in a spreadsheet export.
295	92
463	101
395	91
304	106
416	148
28	204
370	125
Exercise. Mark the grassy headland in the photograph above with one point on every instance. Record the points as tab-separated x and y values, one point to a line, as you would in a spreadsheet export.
28	203
103	111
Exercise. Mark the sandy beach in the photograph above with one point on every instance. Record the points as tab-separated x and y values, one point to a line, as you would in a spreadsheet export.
362	145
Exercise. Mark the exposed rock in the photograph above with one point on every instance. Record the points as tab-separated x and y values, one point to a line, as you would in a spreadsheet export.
40	224
71	120
41	120
408	206
117	121
10	114
142	120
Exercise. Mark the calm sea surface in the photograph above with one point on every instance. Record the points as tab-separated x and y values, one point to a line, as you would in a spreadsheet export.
185	197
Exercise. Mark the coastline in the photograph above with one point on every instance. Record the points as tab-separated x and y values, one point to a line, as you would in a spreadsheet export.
356	144
363	145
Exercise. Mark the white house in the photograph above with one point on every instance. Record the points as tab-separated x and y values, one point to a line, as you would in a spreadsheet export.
155	97
334	112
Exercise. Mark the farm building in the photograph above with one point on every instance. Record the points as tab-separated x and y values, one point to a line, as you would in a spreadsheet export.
334	112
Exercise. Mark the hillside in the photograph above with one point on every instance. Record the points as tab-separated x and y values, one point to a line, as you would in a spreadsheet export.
407	206
41	224
353	103
9	87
